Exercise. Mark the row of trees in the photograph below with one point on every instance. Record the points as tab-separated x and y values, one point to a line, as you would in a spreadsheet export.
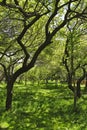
28	27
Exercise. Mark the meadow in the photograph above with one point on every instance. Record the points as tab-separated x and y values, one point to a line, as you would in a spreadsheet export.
42	108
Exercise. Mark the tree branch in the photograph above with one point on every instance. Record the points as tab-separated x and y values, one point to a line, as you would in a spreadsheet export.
16	2
5	70
51	17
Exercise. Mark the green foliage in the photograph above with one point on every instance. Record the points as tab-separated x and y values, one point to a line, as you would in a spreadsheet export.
43	109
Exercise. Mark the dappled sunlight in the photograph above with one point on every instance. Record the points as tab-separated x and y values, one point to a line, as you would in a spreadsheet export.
44	109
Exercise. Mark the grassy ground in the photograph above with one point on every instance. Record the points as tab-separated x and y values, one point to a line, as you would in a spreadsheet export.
42	108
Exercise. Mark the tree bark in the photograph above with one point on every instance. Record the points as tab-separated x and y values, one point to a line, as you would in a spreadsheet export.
79	83
70	82
75	99
9	96
78	88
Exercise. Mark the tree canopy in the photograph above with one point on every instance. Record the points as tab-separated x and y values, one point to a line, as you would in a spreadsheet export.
27	28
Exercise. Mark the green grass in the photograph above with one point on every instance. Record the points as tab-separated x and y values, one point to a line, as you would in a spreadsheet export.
42	108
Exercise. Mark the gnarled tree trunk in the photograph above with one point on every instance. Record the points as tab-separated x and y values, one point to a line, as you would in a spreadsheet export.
78	88
79	83
70	82
9	95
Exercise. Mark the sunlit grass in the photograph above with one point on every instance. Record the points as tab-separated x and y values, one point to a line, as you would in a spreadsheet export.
42	108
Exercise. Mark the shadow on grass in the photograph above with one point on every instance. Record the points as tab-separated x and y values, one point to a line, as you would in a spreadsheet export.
43	110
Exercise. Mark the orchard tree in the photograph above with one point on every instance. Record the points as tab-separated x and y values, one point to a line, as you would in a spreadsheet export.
74	58
27	28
